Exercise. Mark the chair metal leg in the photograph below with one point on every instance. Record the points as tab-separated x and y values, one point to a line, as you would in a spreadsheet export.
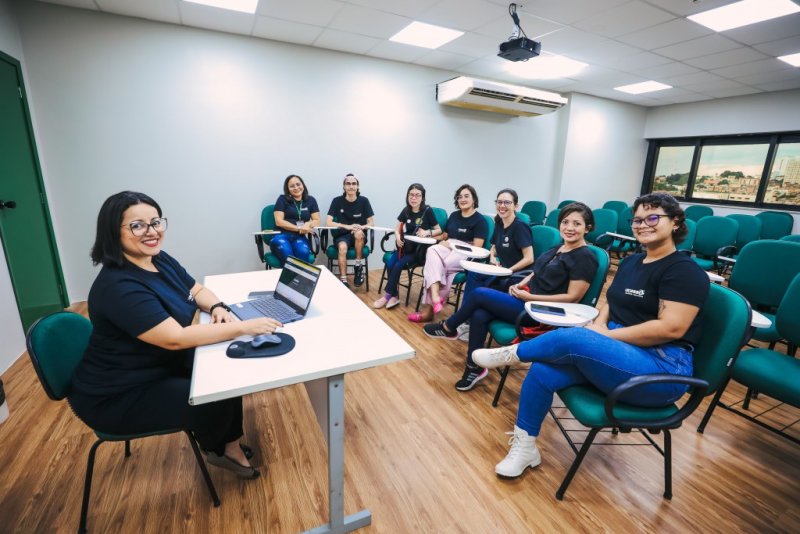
200	463
667	464
419	297
711	406
127	448
87	486
503	375
383	277
410	280
747	396
577	463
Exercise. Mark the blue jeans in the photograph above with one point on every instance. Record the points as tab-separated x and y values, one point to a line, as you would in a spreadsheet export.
395	268
290	244
571	356
480	307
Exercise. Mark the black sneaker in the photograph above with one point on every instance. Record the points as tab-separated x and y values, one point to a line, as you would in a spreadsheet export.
472	375
344	281
438	330
358	275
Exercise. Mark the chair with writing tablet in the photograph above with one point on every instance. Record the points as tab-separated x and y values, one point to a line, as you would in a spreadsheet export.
332	253
265	254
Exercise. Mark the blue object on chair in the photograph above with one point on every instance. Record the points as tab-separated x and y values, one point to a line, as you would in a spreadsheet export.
56	344
697	212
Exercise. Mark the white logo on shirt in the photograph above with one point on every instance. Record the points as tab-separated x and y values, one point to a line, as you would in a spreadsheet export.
635	292
462	230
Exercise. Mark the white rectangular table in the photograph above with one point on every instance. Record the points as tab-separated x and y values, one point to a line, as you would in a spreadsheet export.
339	334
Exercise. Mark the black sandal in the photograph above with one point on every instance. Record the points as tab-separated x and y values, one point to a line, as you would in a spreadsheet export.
226	462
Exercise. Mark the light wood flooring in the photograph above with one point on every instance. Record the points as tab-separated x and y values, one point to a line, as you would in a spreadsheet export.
419	454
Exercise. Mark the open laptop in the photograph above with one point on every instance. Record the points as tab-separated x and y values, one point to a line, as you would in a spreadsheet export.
291	298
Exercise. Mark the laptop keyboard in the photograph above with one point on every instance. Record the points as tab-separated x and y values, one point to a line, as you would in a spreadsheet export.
271	307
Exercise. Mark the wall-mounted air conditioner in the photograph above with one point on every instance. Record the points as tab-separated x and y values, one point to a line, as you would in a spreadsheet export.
497	97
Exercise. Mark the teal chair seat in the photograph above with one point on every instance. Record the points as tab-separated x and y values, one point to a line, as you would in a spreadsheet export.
587	404
502	332
332	254
770	373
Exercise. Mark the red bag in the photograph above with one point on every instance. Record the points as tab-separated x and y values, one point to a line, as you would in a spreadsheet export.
532	331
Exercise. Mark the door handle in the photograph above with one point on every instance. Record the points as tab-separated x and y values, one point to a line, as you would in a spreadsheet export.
10	204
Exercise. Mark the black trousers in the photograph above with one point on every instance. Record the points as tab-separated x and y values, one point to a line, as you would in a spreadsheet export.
162	405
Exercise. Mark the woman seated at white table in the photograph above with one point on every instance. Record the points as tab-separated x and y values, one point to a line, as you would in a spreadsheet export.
443	261
135	375
650	325
562	274
416	219
296	214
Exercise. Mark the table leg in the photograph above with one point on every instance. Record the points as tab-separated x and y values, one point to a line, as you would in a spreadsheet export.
329	408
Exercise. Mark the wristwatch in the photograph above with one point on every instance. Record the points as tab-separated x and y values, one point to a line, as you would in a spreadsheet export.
219	304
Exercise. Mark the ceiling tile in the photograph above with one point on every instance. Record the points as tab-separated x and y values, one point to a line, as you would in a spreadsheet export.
606	77
769	30
443	60
397	51
781	86
782	47
694	78
212	18
641	60
770	77
364	21
534	27
472	44
623	19
406	8
683	98
669	33
712	85
605	52
667	71
683	8
711	44
463	14
315	12
146	9
566	12
753	67
282	30
725	59
487	68
734	91
346	42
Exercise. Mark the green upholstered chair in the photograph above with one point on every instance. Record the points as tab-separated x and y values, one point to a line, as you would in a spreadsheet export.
522	216
749	228
726	318
697	212
605	220
544	238
795	238
691	232
775	224
505	333
536	210
552	219
621	247
332	253
715	236
616	205
762	273
56	344
769	372
266	256
564	203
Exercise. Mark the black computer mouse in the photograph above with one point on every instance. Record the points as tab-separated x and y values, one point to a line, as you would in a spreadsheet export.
235	349
265	339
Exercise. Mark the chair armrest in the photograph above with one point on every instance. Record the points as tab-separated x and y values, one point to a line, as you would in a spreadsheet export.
385	240
602	238
371	233
260	247
313	239
323	238
727	250
698	391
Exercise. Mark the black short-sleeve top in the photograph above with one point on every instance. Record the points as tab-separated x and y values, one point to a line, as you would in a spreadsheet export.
296	211
413	221
466	229
123	304
554	270
634	295
346	212
509	242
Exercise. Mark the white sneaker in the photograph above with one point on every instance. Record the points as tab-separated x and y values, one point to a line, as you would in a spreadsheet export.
499	357
524	453
463	331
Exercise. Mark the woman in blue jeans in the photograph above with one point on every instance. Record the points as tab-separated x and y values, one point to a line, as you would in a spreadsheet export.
296	215
562	274
649	325
417	219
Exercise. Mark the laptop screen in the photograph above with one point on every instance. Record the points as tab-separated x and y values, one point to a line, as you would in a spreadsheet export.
296	283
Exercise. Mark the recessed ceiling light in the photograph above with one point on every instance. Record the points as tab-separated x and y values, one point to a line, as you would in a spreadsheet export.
643	87
243	6
791	59
425	35
743	13
546	67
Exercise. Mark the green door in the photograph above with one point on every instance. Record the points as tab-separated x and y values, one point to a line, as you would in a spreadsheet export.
25	226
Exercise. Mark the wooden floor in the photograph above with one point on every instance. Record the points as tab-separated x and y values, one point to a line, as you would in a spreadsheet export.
419	454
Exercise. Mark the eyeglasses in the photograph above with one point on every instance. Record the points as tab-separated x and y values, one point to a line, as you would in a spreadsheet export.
415	195
139	228
650	220
504	202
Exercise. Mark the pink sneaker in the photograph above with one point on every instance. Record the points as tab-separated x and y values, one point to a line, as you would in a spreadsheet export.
437	307
380	303
416	317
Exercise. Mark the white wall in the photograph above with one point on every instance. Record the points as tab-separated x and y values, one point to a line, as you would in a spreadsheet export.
209	124
11	333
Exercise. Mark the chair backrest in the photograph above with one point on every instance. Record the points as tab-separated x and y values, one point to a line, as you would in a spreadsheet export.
726	320
564	203
775	224
713	233
787	319
522	216
616	205
749	228
441	217
605	220
764	269
552	219
624	221
536	210
56	343
697	212
267	221
794	238
596	287
487	244
691	231
544	238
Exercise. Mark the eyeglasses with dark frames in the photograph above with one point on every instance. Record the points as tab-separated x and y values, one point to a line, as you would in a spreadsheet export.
139	228
504	202
650	220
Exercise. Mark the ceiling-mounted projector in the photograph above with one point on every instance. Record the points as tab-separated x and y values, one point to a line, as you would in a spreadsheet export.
518	48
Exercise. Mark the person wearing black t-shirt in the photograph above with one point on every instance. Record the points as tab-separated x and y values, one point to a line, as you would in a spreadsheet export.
417	219
442	260
649	326
562	274
134	377
296	215
349	213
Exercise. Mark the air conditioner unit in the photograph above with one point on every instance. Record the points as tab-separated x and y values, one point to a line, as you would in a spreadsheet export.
497	97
